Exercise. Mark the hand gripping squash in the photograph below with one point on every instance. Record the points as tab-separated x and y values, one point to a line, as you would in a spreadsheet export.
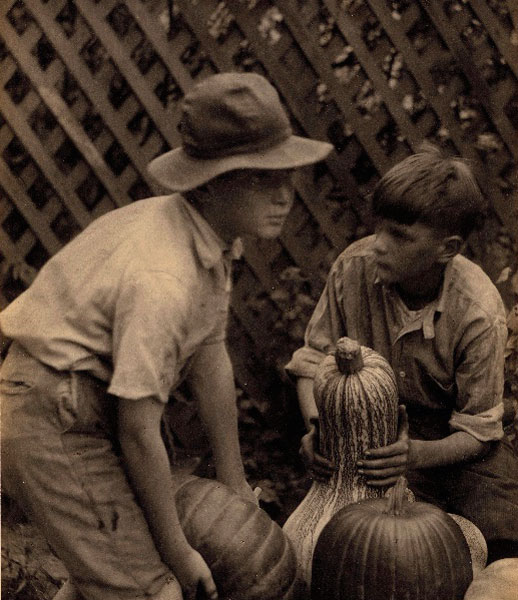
247	552
357	400
391	549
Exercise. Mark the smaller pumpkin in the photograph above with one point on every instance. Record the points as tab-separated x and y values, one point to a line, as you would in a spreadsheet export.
247	552
393	549
498	581
476	542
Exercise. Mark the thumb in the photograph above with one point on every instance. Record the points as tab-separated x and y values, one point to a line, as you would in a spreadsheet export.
402	422
206	589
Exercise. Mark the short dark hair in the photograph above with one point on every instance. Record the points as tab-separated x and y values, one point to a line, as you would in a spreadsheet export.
431	188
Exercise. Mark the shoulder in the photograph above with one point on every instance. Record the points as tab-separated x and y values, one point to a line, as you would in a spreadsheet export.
357	259
474	292
157	237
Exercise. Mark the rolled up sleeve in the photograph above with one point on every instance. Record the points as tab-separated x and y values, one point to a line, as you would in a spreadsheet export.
326	326
480	383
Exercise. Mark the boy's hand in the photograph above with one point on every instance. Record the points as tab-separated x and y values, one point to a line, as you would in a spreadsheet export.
195	577
383	466
320	467
246	492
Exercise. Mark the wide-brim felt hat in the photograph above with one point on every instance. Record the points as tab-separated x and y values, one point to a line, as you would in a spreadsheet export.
233	121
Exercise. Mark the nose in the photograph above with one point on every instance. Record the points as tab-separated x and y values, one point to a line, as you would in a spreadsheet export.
380	242
283	195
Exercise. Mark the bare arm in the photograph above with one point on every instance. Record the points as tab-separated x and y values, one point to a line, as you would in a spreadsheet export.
211	380
382	466
148	470
457	447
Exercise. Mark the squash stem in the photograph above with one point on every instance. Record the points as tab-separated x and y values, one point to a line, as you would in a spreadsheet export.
348	356
397	497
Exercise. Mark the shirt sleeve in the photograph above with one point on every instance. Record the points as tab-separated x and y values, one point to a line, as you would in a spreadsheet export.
150	323
326	326
480	383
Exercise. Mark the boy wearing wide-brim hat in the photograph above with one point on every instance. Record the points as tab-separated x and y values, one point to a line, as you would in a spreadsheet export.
114	322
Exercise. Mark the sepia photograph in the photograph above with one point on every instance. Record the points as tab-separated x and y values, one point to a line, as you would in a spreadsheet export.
259	299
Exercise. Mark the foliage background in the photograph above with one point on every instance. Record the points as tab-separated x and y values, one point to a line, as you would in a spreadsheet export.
88	92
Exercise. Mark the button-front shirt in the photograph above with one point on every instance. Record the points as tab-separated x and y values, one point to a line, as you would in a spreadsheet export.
448	358
130	299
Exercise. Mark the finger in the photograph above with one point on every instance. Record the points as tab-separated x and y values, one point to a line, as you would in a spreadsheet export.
402	422
382	463
321	474
322	461
383	482
209	587
378	474
400	447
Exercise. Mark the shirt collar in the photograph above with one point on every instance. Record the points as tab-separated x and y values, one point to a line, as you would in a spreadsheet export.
209	246
436	305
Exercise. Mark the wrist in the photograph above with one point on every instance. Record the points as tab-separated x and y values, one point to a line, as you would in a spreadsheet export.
415	453
232	477
174	554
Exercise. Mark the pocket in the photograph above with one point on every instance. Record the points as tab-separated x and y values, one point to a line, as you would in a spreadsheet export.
14	387
66	402
435	388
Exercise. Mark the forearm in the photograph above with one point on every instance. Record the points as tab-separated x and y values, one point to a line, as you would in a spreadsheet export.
219	414
148	469
455	448
212	383
307	404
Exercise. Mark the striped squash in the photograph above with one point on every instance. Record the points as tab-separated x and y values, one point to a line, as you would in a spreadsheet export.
357	400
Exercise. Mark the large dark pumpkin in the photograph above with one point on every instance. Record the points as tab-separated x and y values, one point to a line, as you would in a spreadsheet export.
391	549
249	555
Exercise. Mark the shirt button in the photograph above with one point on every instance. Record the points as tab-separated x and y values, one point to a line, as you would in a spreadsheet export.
402	374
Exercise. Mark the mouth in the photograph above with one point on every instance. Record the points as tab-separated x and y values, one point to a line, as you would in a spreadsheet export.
277	219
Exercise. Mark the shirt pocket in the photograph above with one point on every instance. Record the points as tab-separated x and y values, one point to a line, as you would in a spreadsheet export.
439	391
15	386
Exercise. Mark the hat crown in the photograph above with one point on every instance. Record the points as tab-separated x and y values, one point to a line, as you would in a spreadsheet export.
232	113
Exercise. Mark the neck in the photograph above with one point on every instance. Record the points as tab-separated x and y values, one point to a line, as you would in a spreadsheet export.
196	198
417	293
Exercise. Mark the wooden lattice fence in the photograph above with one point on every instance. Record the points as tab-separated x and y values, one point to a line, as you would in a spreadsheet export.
90	93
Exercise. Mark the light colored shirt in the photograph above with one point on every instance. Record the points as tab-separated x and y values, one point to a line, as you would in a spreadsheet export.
448	358
130	299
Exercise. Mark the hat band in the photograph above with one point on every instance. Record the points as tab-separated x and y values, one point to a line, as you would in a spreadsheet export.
249	146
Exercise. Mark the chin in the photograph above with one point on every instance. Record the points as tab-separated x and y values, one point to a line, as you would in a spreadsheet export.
269	233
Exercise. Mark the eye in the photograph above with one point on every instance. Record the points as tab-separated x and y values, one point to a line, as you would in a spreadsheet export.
275	177
398	234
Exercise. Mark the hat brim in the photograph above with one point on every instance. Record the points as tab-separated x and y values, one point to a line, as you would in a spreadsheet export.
179	172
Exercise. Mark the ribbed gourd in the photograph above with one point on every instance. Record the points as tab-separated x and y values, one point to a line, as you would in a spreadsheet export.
247	552
498	581
391	549
356	396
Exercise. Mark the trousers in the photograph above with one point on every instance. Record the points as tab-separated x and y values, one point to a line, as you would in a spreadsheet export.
62	464
485	491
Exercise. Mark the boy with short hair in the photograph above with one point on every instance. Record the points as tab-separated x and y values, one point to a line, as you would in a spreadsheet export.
132	307
437	318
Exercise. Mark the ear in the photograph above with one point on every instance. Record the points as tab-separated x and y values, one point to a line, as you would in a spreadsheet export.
450	246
